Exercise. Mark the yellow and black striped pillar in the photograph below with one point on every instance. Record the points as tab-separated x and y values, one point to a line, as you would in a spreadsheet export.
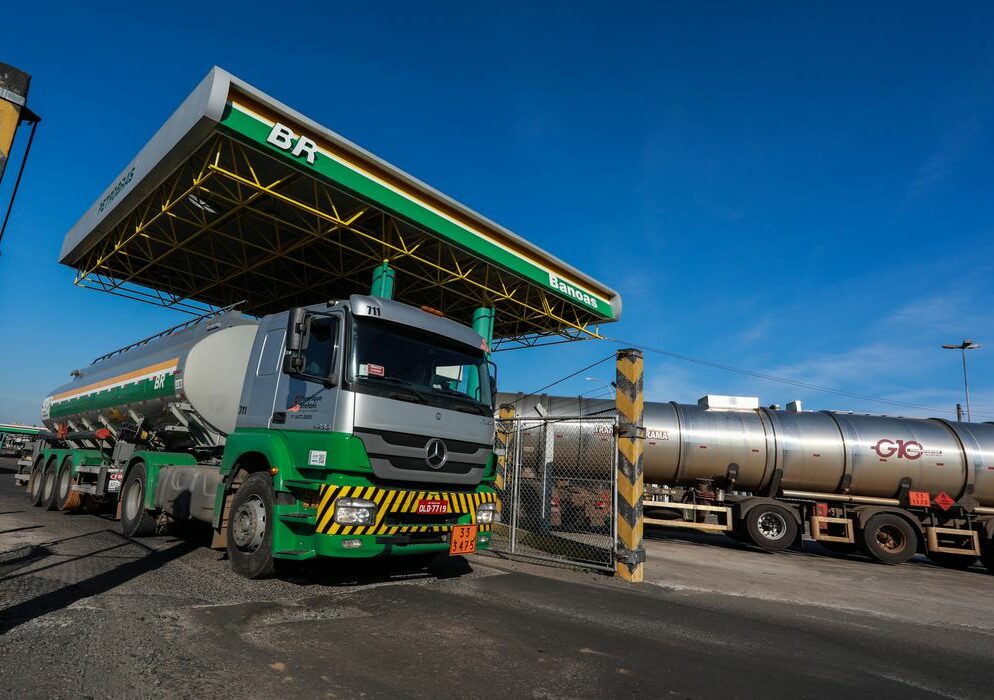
13	96
629	552
502	435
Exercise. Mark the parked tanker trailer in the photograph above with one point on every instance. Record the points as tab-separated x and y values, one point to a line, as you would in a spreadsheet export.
892	487
348	429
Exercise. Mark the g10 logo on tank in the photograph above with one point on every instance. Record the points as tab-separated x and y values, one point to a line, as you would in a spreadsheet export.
902	449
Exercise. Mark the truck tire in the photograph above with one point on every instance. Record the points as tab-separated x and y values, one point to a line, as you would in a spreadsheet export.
250	532
135	520
35	484
48	495
771	527
63	487
889	539
951	561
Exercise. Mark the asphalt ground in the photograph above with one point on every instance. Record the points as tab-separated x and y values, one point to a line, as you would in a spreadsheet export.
85	612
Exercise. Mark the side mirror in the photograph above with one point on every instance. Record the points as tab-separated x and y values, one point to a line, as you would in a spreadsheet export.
296	341
493	383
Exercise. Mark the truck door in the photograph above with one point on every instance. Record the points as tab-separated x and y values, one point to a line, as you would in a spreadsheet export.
306	399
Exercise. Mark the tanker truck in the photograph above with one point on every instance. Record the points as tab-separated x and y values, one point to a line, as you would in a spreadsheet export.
354	428
892	487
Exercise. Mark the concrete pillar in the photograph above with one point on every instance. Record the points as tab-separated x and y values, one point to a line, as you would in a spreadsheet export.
629	552
383	281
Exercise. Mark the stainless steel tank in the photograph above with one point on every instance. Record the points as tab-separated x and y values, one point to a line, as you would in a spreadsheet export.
816	451
184	384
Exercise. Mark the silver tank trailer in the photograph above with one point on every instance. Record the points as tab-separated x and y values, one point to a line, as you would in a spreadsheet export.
817	451
184	384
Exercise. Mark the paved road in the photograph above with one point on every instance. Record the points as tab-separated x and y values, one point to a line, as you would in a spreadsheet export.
86	612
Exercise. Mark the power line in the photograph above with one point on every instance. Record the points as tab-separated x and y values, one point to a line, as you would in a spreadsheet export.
782	380
568	376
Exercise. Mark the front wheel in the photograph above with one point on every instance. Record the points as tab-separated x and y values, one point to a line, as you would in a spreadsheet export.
771	527
135	520
250	532
889	539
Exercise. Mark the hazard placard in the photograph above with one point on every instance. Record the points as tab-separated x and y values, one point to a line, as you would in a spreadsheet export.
944	501
921	499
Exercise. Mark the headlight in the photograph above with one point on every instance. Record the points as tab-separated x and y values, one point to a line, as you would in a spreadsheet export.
354	511
486	513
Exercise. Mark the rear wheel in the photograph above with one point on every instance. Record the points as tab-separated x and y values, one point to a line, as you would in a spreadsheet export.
48	490
889	539
135	520
771	527
951	561
250	532
35	484
987	553
65	497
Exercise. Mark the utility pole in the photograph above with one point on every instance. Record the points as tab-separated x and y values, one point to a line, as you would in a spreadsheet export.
963	347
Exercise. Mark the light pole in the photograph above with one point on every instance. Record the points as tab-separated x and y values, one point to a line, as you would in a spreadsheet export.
963	347
607	384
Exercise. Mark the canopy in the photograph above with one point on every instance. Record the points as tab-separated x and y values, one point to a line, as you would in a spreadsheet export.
238	198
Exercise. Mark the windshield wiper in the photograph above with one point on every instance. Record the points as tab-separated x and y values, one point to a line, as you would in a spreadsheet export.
404	384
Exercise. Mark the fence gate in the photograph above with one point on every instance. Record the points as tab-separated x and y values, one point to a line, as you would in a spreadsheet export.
557	490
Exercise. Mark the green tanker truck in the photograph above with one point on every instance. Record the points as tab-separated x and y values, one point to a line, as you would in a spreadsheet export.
354	428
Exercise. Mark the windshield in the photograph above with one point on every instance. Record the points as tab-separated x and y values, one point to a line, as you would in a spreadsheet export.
406	363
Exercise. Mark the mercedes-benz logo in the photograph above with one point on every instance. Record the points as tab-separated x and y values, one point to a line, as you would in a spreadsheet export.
435	453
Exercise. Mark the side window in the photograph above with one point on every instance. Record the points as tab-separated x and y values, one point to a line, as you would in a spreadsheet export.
271	356
319	357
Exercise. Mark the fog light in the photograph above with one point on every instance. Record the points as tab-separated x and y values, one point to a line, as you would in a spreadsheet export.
486	513
351	544
354	511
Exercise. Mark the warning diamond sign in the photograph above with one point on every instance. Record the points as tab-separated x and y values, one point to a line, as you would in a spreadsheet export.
944	500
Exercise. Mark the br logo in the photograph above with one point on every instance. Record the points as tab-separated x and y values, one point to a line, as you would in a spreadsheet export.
904	449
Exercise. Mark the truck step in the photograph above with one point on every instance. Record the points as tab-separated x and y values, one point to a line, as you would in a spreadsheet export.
295	554
85	488
298	517
21	478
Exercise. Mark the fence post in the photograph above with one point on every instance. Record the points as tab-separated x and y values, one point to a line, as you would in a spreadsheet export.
629	552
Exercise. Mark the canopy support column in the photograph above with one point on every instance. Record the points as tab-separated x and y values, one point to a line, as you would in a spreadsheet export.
483	324
383	281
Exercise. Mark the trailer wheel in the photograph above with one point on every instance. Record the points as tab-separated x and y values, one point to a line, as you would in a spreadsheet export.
35	484
250	532
951	561
889	539
49	493
65	497
135	520
771	527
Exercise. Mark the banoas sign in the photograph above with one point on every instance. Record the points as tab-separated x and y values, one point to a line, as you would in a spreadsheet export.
569	290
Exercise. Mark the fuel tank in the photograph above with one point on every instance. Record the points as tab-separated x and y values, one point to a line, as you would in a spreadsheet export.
822	451
183	384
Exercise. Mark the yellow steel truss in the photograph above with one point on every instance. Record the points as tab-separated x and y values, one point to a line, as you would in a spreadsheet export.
232	224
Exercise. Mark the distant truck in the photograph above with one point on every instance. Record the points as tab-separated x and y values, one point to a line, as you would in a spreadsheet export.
891	487
349	429
16	440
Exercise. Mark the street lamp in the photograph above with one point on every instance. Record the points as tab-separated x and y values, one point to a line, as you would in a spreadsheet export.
606	383
963	347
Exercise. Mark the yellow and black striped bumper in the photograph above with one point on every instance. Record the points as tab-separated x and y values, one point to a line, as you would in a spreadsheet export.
392	505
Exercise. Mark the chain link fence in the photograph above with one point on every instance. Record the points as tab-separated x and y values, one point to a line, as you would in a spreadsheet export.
557	488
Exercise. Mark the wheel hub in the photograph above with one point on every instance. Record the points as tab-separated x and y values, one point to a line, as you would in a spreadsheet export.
890	538
771	525
249	524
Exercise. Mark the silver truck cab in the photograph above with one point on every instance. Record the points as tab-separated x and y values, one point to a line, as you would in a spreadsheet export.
413	386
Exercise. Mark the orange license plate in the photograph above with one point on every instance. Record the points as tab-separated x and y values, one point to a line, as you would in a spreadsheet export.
463	540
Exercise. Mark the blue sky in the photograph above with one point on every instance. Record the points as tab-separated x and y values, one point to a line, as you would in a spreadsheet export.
801	189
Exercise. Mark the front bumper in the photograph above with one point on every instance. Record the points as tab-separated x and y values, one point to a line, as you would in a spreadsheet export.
397	528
